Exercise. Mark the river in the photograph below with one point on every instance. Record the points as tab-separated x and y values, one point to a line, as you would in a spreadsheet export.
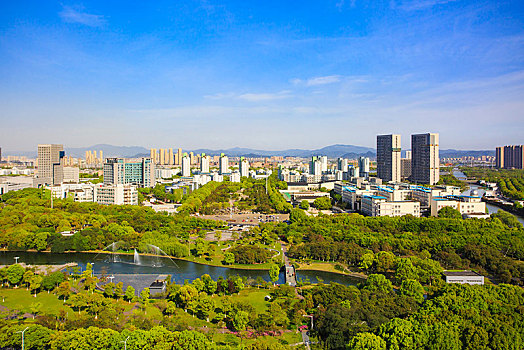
183	270
491	208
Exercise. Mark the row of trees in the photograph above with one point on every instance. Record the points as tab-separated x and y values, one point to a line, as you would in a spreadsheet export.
456	317
495	246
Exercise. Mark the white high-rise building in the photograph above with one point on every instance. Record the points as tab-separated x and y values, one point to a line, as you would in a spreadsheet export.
323	163
363	164
186	165
204	163
243	166
425	162
342	164
224	164
315	166
50	165
388	157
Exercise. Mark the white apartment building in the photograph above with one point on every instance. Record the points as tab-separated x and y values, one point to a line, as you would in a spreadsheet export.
243	166
235	176
323	163
425	194
217	177
71	174
116	195
7	186
224	164
380	206
165	173
204	164
83	192
466	205
201	179
186	165
393	194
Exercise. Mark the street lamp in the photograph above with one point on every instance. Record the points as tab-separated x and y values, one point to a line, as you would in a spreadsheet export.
311	316
23	336
125	342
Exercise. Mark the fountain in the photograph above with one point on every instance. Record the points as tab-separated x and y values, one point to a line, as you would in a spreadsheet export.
159	253
136	258
155	257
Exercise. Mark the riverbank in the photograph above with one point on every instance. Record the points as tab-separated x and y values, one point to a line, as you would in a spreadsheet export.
328	267
304	268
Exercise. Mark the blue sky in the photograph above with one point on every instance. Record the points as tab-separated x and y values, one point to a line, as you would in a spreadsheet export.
270	75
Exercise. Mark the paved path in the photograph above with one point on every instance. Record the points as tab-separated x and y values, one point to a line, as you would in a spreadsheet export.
305	339
291	277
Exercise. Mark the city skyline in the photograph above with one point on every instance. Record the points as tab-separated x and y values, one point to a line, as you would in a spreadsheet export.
271	76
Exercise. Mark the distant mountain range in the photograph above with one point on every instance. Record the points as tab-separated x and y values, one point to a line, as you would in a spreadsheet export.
333	151
454	153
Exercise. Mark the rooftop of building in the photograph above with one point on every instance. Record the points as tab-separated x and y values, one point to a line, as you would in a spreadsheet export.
460	273
374	197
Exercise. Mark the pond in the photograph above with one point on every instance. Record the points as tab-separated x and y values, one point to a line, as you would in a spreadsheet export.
180	270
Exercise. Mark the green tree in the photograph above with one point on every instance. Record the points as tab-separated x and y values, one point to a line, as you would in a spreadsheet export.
449	213
297	215
205	305
322	203
35	283
144	295
109	290
367	341
239	320
274	272
15	273
130	293
229	258
304	205
405	270
397	333
378	282
119	290
367	261
412	288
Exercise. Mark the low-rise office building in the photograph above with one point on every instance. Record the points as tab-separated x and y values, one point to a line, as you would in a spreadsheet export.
380	206
466	205
463	277
116	195
71	174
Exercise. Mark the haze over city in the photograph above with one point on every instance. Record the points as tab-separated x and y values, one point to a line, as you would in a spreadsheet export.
272	75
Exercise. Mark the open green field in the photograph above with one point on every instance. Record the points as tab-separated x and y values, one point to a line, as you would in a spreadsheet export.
253	296
22	300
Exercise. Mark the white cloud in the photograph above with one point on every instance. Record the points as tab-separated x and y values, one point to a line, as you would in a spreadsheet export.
413	5
316	81
329	79
72	15
251	97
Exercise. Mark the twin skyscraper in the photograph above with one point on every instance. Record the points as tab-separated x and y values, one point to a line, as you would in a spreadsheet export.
425	163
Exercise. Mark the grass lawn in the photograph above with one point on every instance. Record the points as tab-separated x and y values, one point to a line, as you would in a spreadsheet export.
21	299
252	296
